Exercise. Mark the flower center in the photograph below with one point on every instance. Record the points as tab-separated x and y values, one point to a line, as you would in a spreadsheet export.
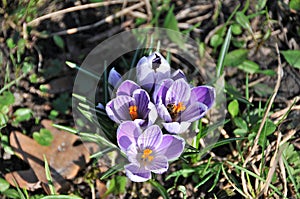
175	110
146	155
133	112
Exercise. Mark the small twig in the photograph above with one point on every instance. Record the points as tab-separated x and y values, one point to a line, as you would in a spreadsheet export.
283	176
40	56
279	114
193	11
212	32
138	14
108	19
199	19
273	164
255	145
148	8
251	84
75	8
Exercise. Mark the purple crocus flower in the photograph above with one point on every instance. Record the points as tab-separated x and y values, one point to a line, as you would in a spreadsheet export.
131	104
114	78
151	70
147	151
179	105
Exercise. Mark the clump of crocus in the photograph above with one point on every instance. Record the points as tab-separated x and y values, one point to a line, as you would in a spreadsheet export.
131	104
136	107
179	105
147	151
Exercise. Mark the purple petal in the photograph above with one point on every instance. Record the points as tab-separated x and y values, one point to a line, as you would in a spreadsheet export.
179	92
145	74
136	173
162	69
160	91
151	138
176	127
118	109
171	146
203	94
100	106
158	165
178	74
142	100
152	114
163	113
127	88
127	134
114	77
193	112
141	122
132	154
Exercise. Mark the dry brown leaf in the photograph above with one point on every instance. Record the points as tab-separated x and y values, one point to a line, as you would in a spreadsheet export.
101	188
64	158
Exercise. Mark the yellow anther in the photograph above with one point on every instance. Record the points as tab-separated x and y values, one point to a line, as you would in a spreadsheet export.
133	112
146	154
179	108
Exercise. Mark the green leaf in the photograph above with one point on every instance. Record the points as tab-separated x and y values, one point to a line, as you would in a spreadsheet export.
21	45
5	144
263	90
4	185
236	57
249	66
6	99
294	4
22	114
239	122
116	186
159	188
233	108
240	132
243	20
53	114
11	193
292	57
216	40
10	43
236	29
268	72
33	78
182	189
44	137
3	120
59	41
172	24
27	67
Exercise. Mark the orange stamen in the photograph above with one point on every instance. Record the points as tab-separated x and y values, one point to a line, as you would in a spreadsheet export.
133	112
179	108
146	154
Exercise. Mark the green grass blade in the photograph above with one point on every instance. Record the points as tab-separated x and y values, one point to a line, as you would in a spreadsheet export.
112	171
291	176
224	50
159	188
49	177
255	176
